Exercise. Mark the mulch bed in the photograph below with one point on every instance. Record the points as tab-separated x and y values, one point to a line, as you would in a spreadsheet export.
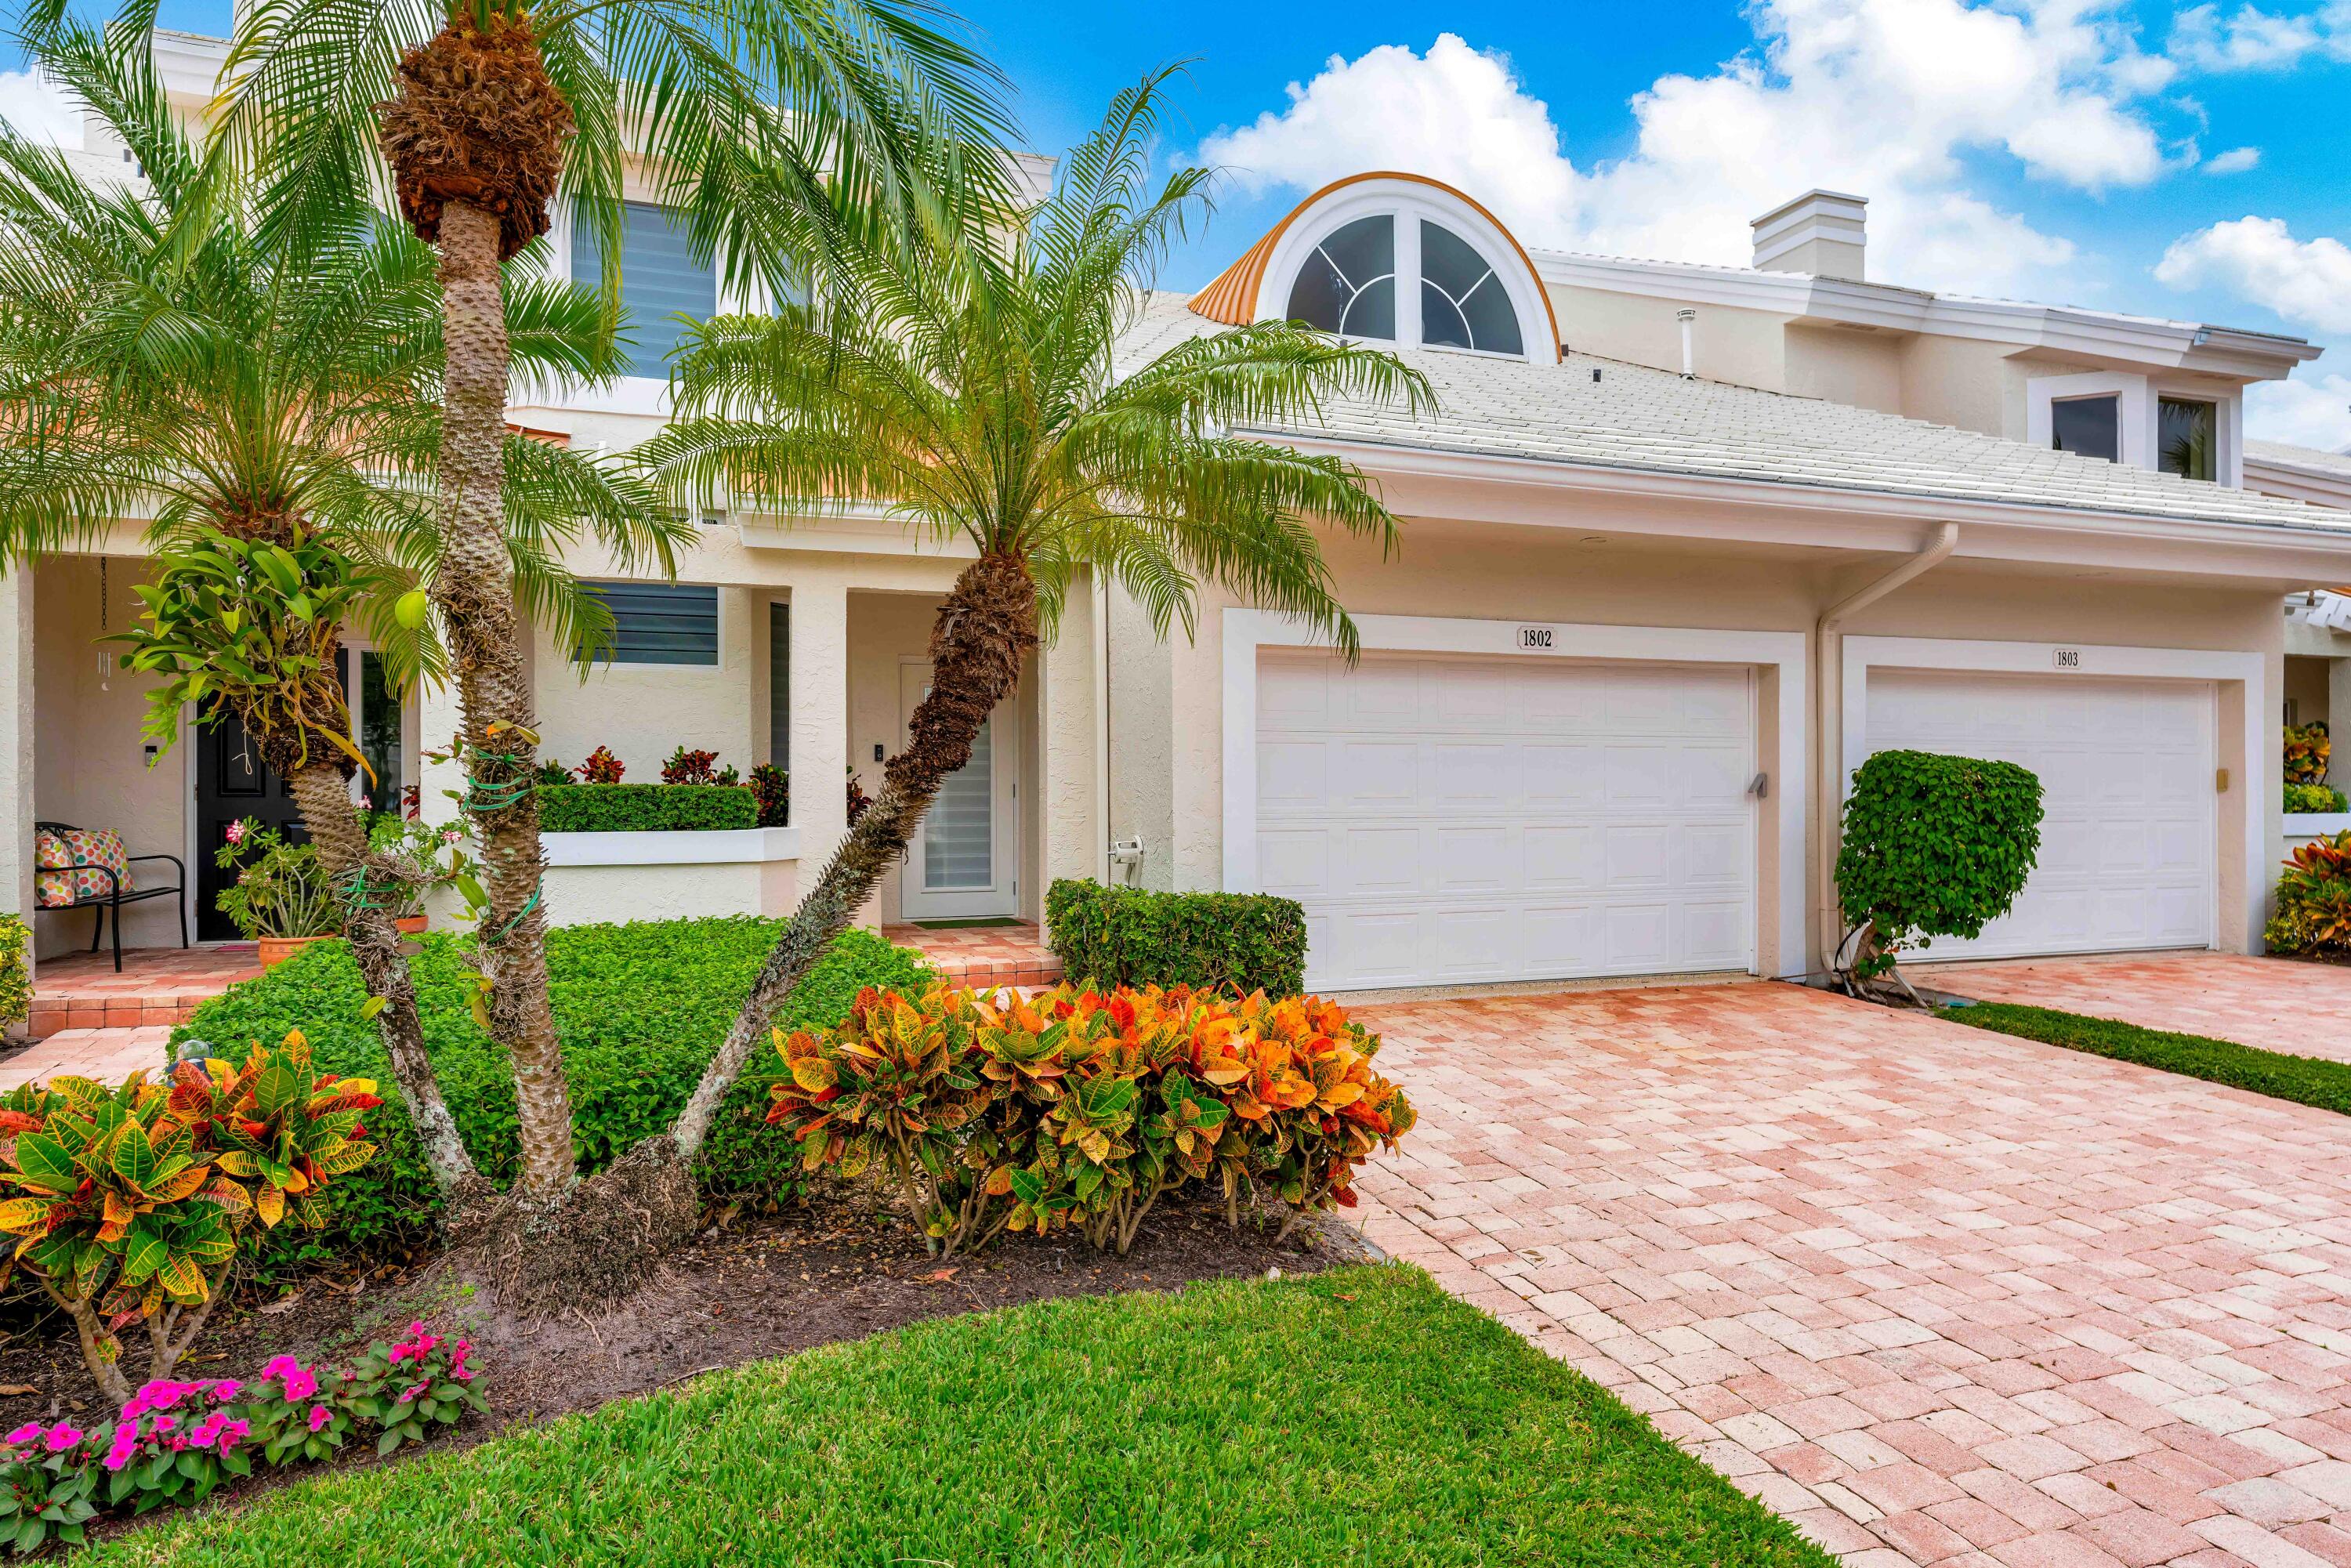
751	1287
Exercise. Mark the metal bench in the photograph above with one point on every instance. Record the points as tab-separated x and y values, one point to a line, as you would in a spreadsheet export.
116	897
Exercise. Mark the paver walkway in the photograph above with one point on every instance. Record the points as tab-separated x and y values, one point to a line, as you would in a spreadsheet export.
156	986
2278	1004
1010	954
1939	1295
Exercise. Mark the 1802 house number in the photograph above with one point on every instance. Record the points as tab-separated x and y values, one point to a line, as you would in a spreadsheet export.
1536	639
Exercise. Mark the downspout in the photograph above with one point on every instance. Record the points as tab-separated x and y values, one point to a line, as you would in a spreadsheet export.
1829	784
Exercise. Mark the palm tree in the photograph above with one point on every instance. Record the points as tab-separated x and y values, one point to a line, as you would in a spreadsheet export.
743	114
157	358
971	385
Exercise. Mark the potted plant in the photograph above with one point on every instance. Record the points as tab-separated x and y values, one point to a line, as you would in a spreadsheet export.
423	857
281	898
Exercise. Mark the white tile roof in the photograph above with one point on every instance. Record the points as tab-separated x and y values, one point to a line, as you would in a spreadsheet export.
2310	457
1637	418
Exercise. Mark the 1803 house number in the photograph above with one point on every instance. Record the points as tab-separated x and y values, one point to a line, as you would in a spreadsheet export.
1538	639
2066	658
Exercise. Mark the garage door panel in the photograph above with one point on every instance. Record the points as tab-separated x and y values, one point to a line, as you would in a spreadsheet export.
1562	858
1554	819
2126	837
1475	860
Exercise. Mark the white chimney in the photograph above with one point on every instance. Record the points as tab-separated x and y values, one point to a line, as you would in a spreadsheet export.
1821	233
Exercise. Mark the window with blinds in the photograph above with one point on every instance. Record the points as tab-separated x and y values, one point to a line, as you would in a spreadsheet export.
661	622
660	280
779	683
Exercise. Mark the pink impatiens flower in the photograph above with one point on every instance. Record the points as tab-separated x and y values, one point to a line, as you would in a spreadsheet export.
318	1417
26	1433
126	1443
62	1435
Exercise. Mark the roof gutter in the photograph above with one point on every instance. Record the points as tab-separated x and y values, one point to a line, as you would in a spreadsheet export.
1829	713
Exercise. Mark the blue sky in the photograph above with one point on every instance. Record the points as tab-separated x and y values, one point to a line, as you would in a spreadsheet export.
2170	159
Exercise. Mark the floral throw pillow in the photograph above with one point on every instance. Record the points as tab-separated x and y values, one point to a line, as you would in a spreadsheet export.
67	865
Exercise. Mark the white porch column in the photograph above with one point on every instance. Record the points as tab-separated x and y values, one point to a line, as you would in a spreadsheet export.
436	730
16	676
1071	838
2338	720
819	719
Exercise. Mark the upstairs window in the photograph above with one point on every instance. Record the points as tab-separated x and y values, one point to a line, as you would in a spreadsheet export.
2089	426
659	280
1398	278
1462	304
2186	432
1348	285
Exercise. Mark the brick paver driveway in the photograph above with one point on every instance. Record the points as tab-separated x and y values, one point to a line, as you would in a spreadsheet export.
2278	1004
1938	1294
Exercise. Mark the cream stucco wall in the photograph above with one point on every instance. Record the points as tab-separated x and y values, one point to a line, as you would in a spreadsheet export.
90	767
643	712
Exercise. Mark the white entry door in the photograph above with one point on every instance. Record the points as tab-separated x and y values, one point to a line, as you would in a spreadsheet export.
964	862
1449	821
2127	828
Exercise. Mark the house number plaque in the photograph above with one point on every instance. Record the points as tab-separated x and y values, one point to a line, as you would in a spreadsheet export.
1537	639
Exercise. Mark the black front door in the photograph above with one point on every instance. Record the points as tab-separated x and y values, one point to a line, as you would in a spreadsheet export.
232	783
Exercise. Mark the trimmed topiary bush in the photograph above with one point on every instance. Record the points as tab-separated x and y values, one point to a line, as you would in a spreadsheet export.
645	807
641	1008
1934	846
1129	936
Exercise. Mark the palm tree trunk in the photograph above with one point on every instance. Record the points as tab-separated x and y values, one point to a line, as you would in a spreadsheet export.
324	796
472	584
986	627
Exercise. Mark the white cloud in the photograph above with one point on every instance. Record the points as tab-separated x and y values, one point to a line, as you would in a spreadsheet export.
39	109
2305	281
2313	413
2251	38
1883	98
2235	160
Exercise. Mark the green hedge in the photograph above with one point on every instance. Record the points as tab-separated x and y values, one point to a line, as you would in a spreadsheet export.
645	807
16	973
2315	797
640	1008
1127	936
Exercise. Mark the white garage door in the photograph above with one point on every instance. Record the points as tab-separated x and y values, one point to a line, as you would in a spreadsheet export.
2126	769
1452	821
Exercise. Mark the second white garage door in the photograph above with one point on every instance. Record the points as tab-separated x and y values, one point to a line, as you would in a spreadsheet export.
2127	828
1455	821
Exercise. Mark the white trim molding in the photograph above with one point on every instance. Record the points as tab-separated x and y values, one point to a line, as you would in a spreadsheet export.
1784	654
2092	661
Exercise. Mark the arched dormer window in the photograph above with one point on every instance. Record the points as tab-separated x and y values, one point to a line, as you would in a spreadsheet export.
1395	258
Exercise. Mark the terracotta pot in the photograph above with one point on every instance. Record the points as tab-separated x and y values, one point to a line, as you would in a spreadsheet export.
413	925
278	949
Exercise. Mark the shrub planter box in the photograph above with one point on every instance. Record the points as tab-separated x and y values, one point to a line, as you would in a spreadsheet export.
601	877
2301	827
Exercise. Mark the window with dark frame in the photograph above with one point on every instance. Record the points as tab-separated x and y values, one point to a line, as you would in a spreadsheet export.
660	623
1348	285
779	683
2088	427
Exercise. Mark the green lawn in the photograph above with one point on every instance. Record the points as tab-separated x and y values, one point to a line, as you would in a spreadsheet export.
2306	1079
1357	1416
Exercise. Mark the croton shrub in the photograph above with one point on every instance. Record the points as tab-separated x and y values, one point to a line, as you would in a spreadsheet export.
170	1443
2307	749
2313	898
1076	1109
132	1203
